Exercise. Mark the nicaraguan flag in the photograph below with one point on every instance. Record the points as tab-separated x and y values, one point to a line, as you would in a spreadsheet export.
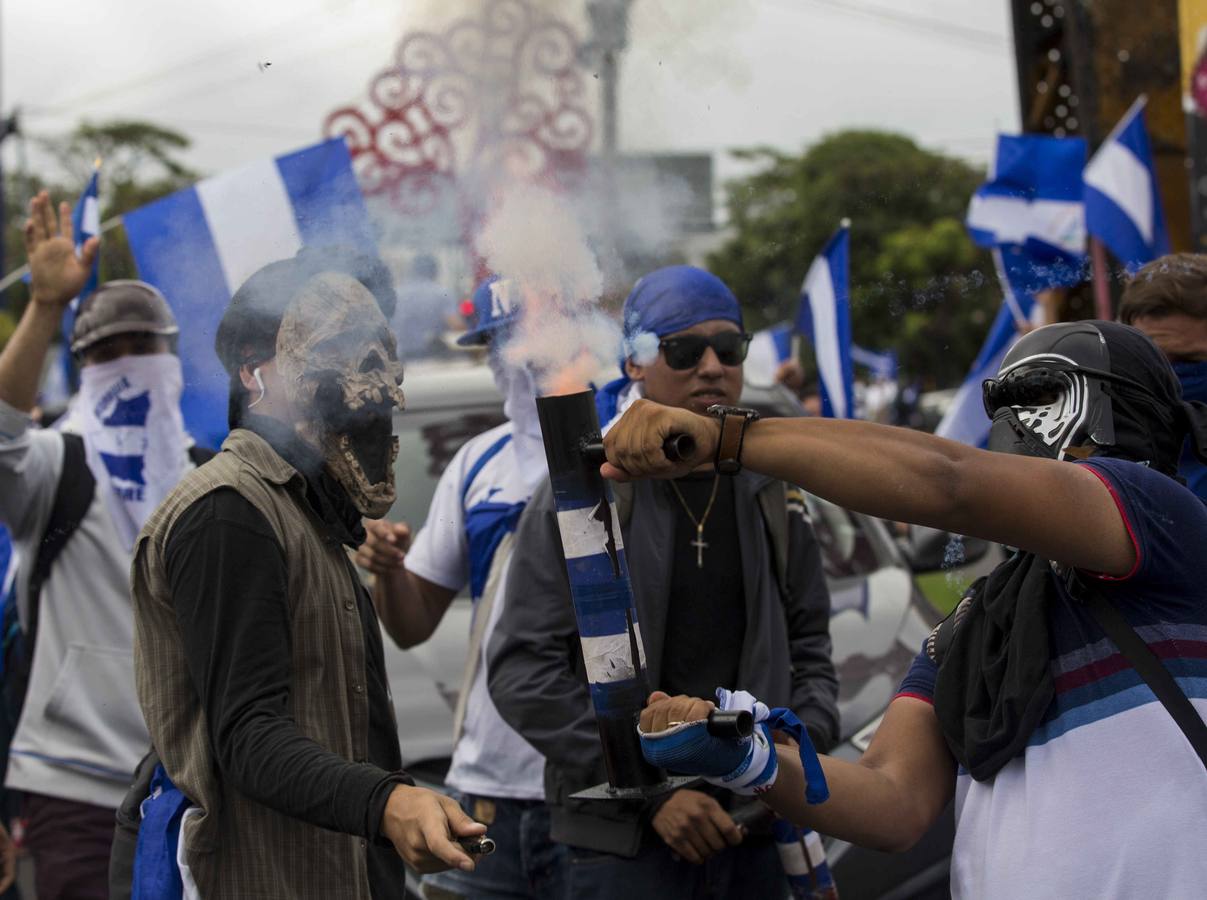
1033	205
200	244
881	365
8	563
85	224
770	348
825	318
965	419
1122	201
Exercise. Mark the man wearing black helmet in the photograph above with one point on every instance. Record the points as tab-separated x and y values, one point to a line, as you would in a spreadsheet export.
1061	704
93	481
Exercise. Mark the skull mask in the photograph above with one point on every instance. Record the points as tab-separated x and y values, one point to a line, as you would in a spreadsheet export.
337	358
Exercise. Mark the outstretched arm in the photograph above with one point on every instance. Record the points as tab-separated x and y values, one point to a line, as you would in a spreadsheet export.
886	801
56	276
1057	510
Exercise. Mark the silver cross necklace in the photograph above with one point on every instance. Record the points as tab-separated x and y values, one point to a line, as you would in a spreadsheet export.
699	543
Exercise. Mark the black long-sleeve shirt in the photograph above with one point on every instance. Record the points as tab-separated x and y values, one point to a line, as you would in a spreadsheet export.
230	590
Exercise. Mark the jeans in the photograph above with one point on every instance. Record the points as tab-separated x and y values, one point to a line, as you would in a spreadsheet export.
750	871
525	864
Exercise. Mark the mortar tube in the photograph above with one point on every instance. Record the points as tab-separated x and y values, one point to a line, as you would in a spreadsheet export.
599	586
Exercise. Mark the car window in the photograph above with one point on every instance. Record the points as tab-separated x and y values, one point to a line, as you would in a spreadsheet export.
845	548
427	442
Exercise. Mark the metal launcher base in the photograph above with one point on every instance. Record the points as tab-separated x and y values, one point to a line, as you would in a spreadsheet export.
605	791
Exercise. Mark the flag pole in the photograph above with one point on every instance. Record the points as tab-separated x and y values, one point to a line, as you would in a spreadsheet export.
1020	321
1102	287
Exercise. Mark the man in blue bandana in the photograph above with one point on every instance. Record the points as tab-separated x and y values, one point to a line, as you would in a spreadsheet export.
714	602
1167	300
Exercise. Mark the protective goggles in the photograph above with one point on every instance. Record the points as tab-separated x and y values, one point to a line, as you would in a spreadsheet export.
1042	385
686	351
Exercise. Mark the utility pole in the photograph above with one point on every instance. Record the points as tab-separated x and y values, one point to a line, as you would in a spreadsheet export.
609	37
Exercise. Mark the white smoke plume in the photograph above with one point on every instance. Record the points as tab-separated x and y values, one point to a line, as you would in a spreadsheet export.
534	239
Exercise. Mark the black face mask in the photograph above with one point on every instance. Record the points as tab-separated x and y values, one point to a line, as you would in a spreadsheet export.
1106	384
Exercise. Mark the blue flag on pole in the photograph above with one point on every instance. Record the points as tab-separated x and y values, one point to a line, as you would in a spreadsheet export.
825	318
1032	212
1122	201
200	244
85	224
965	419
881	365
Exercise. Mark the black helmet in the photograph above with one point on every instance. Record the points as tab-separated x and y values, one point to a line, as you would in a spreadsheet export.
1093	385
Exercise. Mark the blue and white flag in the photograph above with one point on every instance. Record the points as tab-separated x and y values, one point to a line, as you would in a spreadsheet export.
825	318
1122	200
1033	199
200	244
965	419
85	224
8	563
881	365
770	348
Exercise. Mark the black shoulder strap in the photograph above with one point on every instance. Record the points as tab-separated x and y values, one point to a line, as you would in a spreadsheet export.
199	456
1145	662
72	498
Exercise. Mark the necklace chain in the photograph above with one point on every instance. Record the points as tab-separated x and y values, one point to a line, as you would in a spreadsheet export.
699	543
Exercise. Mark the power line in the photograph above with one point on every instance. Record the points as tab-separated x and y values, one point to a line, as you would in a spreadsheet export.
927	25
143	80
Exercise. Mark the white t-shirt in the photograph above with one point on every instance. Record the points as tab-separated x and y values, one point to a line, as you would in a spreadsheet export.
477	502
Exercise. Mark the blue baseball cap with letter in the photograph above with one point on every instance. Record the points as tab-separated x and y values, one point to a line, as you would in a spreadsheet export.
496	306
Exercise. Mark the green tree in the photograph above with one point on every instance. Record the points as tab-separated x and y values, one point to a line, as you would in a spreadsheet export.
140	162
918	284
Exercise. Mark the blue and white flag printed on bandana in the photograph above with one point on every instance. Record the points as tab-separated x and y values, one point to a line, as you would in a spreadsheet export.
825	318
1122	200
128	411
200	244
1033	199
770	348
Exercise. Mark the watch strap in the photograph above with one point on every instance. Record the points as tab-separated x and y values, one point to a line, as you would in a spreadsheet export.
729	445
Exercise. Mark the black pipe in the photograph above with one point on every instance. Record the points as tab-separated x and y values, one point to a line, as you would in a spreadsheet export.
599	585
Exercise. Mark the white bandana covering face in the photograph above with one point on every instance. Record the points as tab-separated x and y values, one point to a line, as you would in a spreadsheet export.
128	412
518	387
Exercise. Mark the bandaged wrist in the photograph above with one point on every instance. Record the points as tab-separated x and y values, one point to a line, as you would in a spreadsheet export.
758	770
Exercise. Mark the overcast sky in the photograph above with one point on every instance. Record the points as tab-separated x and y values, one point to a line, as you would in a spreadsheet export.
699	75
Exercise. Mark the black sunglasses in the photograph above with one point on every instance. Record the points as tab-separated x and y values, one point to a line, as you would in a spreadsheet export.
684	352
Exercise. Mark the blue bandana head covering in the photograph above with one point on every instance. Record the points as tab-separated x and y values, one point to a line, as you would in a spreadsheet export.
664	302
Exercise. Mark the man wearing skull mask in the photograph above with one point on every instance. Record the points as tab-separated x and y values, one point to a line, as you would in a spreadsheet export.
1070	777
258	654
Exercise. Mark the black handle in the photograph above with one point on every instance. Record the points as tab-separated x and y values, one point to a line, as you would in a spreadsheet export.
730	723
677	448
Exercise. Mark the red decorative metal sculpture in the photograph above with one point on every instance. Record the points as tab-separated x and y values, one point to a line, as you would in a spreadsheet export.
491	98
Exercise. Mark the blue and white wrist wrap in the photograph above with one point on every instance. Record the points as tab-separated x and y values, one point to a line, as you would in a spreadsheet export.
745	766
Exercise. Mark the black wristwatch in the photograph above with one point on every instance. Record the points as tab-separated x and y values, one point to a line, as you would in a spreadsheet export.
734	421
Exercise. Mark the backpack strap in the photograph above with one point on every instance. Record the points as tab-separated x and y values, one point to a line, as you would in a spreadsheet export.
1145	662
72	497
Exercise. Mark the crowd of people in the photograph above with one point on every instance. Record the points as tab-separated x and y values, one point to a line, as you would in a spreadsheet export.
205	706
